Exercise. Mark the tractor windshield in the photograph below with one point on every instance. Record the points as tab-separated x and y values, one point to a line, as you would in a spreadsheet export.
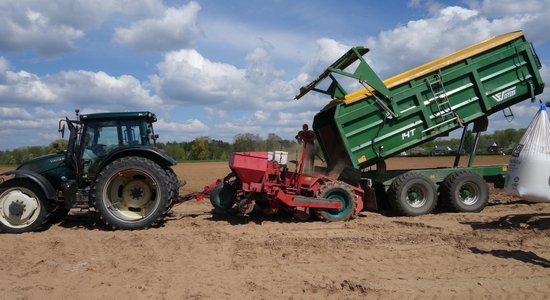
101	137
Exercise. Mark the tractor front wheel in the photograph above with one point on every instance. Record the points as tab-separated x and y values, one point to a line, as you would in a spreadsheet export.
341	192
132	193
23	206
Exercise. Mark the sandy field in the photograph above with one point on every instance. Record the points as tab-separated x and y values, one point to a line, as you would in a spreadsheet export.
500	253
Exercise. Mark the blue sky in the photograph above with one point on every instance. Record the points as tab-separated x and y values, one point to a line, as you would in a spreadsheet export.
219	68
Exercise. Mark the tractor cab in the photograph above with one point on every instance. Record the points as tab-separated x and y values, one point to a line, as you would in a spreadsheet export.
94	137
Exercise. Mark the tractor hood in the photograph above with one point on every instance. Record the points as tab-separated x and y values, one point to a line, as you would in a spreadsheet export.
44	164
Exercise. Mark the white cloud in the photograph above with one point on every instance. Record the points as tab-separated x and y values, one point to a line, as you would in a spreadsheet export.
28	127
137	9
420	41
176	29
452	28
23	87
99	89
52	28
38	126
507	8
259	68
32	29
243	37
10	113
215	113
187	77
327	51
75	14
192	125
91	90
262	116
177	131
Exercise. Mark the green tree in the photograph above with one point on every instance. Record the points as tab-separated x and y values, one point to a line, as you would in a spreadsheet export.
57	145
219	149
199	149
273	142
175	150
247	142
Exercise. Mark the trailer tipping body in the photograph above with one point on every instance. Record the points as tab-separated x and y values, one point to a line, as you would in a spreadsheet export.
388	117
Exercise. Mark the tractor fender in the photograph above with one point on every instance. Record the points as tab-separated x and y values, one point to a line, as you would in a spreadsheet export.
154	154
45	185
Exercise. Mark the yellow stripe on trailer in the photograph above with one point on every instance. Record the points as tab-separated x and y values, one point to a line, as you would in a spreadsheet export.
436	65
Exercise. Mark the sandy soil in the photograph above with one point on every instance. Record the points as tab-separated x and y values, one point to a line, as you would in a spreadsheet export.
502	252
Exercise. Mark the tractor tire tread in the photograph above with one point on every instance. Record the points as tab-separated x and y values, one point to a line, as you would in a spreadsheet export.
164	181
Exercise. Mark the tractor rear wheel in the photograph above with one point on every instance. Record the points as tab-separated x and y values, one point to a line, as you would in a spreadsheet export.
412	194
341	192
222	197
174	188
23	206
132	193
464	191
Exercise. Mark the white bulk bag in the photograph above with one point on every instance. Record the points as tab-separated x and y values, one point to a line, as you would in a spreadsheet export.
529	167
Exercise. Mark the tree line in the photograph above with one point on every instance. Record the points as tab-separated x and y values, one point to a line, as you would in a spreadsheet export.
204	148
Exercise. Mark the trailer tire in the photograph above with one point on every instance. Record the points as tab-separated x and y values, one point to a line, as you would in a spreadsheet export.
132	193
412	194
342	192
23	206
464	191
222	197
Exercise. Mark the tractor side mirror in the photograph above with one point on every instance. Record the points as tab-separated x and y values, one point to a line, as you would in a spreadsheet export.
62	128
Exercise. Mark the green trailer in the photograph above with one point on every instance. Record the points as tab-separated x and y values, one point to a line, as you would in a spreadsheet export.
363	128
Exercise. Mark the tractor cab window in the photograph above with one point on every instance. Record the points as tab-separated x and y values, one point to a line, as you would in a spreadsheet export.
99	138
131	133
102	137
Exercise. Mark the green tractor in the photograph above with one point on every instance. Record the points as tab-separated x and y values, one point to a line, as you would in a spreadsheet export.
111	165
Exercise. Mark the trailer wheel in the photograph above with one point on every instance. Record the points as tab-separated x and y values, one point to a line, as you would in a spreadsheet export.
222	197
23	206
412	194
464	191
132	193
337	191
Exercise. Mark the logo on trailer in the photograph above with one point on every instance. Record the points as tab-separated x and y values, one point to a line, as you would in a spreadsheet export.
408	134
505	94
